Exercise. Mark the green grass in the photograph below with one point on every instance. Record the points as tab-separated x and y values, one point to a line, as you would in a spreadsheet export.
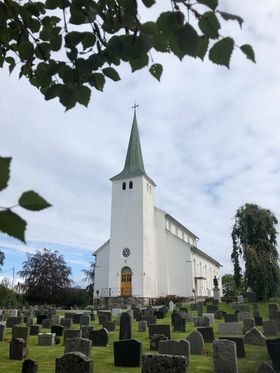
103	357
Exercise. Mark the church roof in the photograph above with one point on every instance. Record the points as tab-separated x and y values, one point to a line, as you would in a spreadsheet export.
134	165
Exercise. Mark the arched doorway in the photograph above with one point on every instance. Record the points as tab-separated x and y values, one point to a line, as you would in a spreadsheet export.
126	284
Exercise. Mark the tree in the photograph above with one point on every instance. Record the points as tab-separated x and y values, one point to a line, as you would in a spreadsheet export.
45	275
89	277
10	222
254	240
94	38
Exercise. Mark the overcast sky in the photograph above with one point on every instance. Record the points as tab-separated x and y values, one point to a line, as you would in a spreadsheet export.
210	140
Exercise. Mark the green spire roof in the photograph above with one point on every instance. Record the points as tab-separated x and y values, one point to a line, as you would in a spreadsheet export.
134	164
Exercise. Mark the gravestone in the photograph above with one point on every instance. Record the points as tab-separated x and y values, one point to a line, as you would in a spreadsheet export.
47	323
175	315
265	368
155	339
86	330
171	306
11	321
105	315
179	325
67	323
149	311
56	319
159	314
137	314
28	321
72	333
78	345
211	308
273	349
14	313
18	349
229	317
201	321
255	337
218	315
34	329
248	324
151	319
69	315
258	321
207	334
74	362
142	326
99	337
224	356
152	363
29	366
85	320
125	326
193	306
210	317
243	315
270	328
40	318
160	329
196	342
230	328
175	348
199	308
46	339
21	332
2	332
58	330
240	347
76	317
240	299
116	311
109	325
127	353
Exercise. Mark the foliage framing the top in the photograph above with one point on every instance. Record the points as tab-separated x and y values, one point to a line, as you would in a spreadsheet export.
67	47
254	239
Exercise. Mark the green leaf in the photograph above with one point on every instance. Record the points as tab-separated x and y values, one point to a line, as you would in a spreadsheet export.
149	28
88	39
67	97
148	3
26	50
53	91
202	47
4	171
111	73
31	200
232	17
139	63
12	224
160	42
169	22
209	25
56	42
156	70
248	51
221	51
97	80
53	4
78	16
188	40
83	95
212	4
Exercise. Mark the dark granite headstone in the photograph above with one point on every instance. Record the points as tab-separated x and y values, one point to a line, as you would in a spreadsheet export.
151	319
179	325
86	330
34	329
273	349
240	347
76	318
201	321
125	326
152	363
82	345
258	321
248	324
265	368
160	329
99	337
11	321
40	318
212	308
72	333
207	334
66	322
127	353
193	307
229	317
2	332
199	308
109	325
18	349
218	315
74	362
155	339
29	366
20	332
58	330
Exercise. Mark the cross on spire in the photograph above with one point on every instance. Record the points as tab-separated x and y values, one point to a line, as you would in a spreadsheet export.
135	106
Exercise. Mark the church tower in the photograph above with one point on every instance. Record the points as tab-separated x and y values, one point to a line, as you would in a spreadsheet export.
132	241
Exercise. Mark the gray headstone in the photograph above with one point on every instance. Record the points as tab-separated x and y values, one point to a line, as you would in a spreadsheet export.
46	339
199	308
224	356
254	337
196	342
18	349
230	328
201	321
47	323
2	332
160	329
34	329
164	363
66	322
85	320
142	326
270	328
99	337
243	315
265	368
155	339
86	330
74	362
175	348
210	317
78	345
125	326
248	324
21	332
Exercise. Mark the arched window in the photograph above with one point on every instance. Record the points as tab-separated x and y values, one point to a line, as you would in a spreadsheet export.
123	186
130	184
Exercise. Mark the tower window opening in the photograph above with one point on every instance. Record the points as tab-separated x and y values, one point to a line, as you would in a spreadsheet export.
130	184
123	186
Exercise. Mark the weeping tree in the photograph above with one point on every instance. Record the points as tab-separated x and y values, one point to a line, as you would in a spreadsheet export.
254	238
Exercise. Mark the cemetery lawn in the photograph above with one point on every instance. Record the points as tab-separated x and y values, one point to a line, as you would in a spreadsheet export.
103	357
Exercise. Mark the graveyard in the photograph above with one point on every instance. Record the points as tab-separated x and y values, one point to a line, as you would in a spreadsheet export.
213	337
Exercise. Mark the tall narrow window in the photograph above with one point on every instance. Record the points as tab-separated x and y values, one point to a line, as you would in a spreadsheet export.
130	184
123	186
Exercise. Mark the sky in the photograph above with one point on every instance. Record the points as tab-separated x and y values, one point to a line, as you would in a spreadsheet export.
210	140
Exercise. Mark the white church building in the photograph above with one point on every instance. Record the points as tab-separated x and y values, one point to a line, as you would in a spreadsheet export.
149	254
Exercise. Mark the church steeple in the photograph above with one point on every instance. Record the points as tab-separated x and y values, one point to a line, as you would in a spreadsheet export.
134	165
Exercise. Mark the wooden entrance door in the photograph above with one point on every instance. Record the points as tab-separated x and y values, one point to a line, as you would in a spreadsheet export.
126	288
